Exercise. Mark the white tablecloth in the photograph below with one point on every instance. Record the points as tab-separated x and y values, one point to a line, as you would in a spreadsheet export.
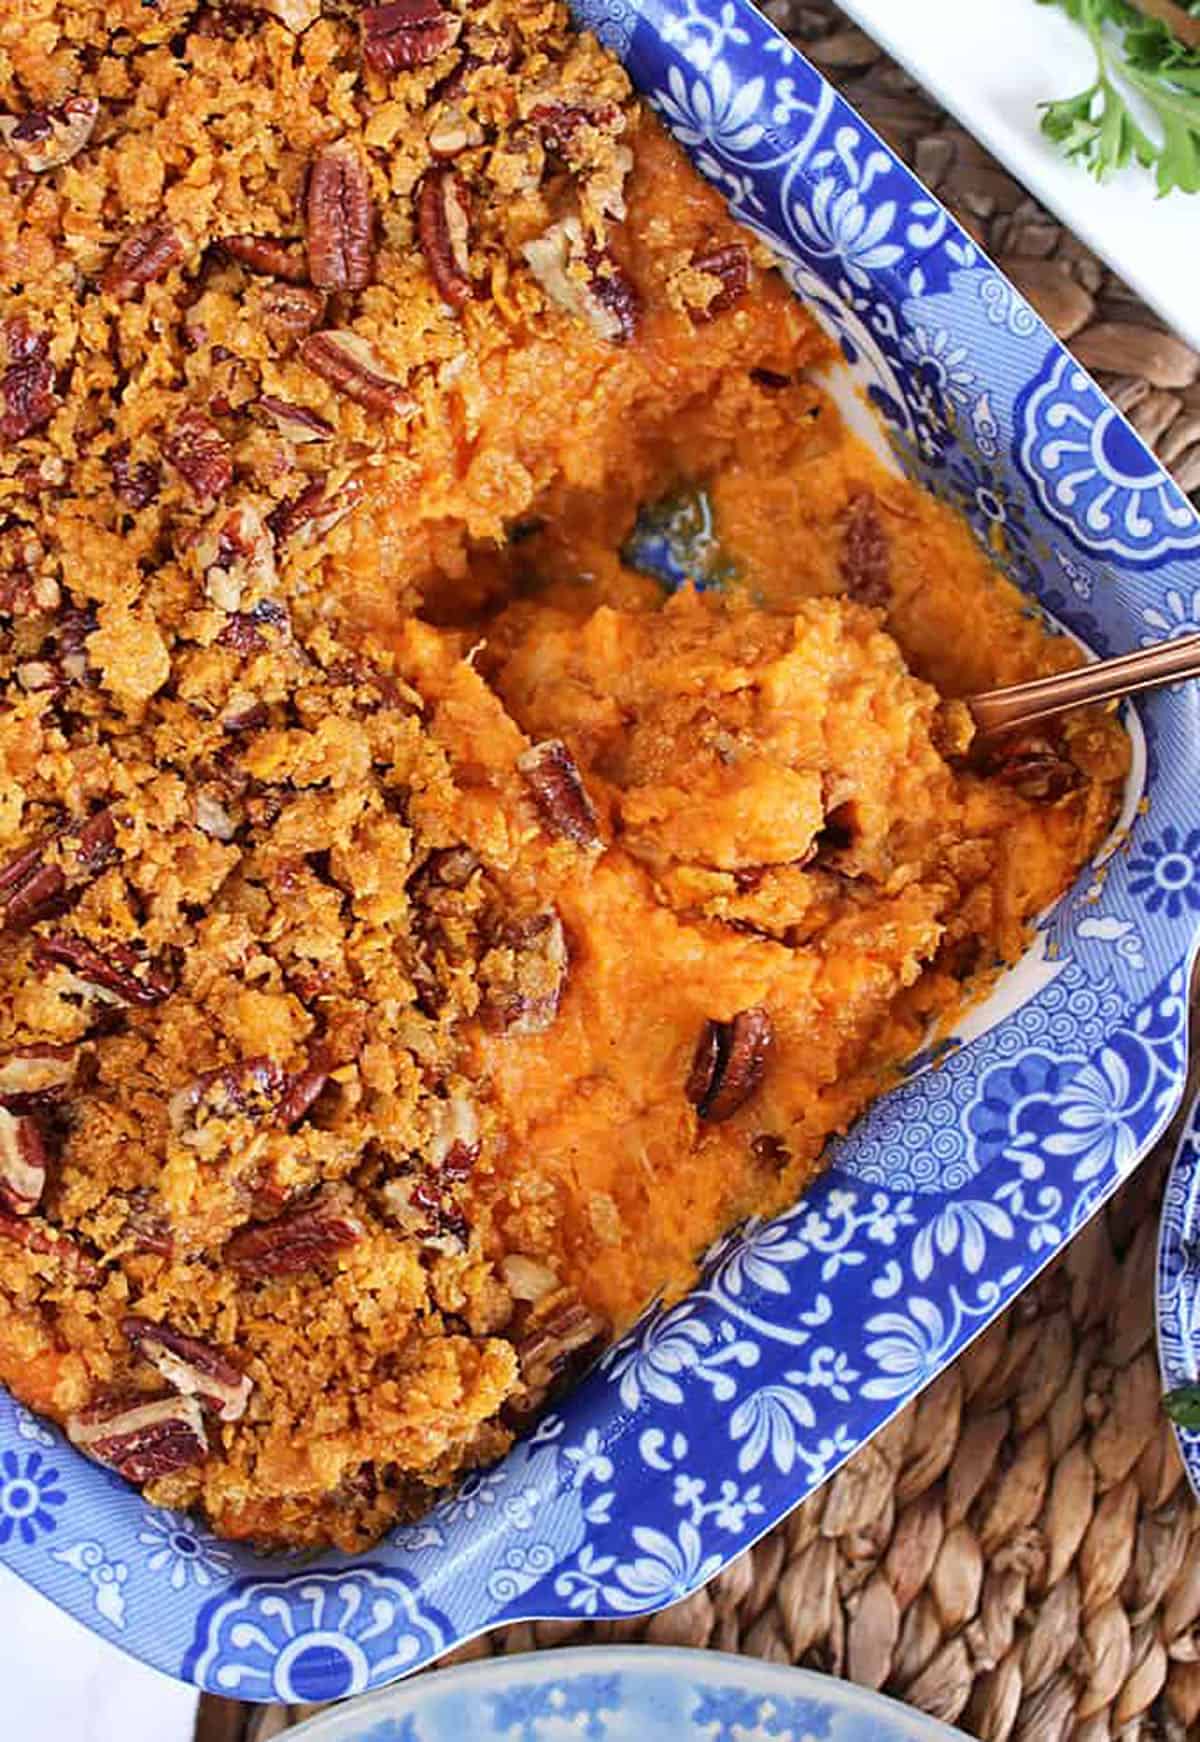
63	1684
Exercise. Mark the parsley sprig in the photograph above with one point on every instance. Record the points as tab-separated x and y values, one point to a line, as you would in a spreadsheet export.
1144	104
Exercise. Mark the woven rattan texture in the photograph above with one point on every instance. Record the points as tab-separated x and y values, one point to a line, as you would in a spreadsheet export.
1019	1553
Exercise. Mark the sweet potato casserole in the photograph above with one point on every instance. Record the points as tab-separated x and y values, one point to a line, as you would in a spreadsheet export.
421	933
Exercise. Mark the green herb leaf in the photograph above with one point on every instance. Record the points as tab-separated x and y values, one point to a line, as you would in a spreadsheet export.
1183	1405
1144	104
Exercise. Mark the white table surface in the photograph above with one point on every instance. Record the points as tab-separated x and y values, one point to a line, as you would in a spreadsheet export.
63	1684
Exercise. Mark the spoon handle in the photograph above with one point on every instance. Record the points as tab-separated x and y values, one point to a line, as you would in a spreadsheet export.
1106	680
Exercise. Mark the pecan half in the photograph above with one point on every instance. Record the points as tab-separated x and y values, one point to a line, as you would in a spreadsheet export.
236	556
444	230
585	281
193	1367
865	560
558	1340
290	311
137	482
45	138
300	1238
297	422
524	974
118	974
302	1092
406	33
36	1076
340	219
731	266
355	368
145	256
22	1162
317	510
1033	763
273	256
27	385
250	1089
552	776
728	1065
141	1440
31	887
200	454
44	1241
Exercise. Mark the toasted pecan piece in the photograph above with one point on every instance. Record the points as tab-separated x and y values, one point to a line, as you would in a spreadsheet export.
145	256
22	1162
46	138
36	1076
444	230
200	454
731	266
585	280
141	1440
524	974
404	34
193	1367
553	777
299	1239
1034	763
340	218
33	885
728	1065
27	398
117	973
354	367
865	561
272	256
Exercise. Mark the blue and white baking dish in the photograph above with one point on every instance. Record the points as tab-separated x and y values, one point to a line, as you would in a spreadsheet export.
717	1414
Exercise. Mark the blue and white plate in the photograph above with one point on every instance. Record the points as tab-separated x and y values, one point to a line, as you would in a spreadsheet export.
1179	1282
632	1693
715	1415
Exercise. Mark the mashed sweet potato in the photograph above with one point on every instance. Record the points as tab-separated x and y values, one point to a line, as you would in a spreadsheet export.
421	934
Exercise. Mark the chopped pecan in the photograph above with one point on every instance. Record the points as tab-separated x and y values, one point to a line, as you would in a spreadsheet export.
22	1162
45	138
24	594
553	778
770	380
406	33
273	256
560	124
355	368
318	509
340	219
302	1092
454	131
418	1207
200	454
145	256
141	1441
251	1089
525	974
27	385
299	1239
236	556
147	1228
193	1367
294	15
31	887
558	1340
731	266
454	1143
296	422
291	311
728	1065
525	1278
213	816
1033	763
865	562
584	280
44	1241
137	482
117	974
444	229
249	632
36	1076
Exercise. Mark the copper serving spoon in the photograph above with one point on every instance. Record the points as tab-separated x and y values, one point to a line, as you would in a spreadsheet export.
1106	680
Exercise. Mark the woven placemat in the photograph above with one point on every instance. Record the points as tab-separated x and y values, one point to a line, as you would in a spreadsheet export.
1018	1553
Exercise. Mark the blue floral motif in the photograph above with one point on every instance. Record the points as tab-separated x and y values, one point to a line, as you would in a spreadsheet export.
1178	1279
392	1730
736	1713
31	1492
1165	874
314	1636
805	1333
524	1710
